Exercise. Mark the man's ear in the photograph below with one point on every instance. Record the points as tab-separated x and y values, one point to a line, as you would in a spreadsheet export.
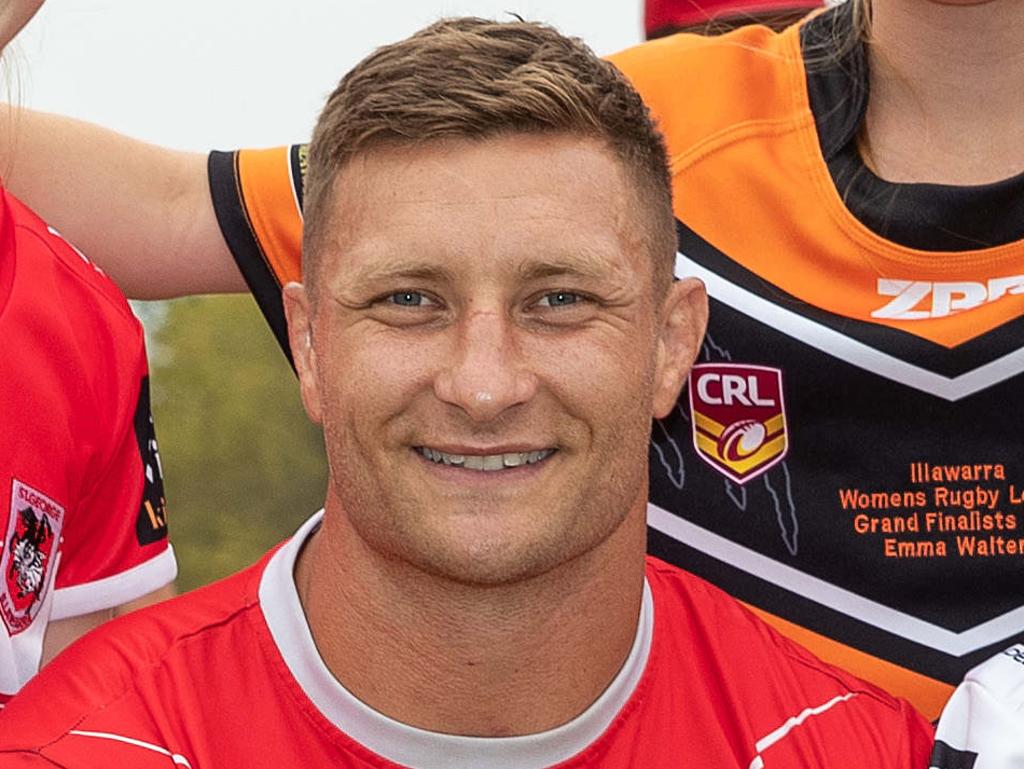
299	312
684	318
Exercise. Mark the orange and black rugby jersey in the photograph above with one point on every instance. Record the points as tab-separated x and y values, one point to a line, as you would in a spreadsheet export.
847	457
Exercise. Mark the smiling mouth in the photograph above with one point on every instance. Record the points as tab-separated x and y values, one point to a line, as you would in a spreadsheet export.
485	462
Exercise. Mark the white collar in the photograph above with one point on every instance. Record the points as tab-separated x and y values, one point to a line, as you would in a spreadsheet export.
408	745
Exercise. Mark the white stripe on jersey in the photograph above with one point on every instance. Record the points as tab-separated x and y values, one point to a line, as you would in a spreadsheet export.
177	758
850	350
790	724
834	597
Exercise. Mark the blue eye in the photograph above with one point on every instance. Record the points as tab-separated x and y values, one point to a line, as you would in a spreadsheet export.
559	299
409	299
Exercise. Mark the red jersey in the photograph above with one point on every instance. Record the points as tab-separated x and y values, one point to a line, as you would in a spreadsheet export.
229	676
81	494
847	458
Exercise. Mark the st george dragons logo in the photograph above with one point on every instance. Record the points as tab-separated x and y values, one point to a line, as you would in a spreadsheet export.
29	549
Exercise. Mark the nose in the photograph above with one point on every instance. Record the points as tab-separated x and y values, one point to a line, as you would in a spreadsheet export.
486	374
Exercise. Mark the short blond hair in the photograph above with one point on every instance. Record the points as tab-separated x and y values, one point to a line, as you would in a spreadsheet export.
474	78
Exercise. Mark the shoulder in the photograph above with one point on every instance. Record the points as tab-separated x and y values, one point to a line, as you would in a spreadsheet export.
699	88
742	640
797	709
75	339
62	273
127	676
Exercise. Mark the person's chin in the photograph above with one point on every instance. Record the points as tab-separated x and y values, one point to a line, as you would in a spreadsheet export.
490	550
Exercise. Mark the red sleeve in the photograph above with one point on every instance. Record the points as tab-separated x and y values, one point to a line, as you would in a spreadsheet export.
916	749
115	546
257	196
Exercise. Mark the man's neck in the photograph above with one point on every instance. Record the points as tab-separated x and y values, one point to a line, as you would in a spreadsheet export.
460	659
947	92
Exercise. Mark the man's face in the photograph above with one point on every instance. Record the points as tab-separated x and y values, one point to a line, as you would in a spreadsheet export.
487	351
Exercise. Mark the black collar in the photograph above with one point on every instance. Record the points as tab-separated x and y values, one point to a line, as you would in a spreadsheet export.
930	217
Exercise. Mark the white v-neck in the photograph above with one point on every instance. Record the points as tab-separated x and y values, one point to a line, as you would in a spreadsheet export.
408	745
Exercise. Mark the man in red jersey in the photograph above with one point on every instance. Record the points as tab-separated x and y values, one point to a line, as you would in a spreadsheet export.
487	326
83	533
785	193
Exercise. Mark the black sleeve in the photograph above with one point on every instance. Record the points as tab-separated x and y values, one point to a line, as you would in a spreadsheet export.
229	206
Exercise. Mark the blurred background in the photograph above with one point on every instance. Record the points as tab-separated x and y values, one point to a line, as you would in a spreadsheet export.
244	466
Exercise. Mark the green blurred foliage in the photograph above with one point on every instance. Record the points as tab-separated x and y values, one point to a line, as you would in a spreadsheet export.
243	465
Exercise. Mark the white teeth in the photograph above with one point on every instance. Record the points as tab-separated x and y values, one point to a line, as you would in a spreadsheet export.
486	462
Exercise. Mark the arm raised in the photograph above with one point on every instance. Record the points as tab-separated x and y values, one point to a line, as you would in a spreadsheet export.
141	212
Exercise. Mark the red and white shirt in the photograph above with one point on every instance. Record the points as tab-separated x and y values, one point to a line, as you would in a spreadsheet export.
82	515
229	676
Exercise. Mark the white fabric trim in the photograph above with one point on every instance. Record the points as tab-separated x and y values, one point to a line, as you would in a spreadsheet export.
408	745
176	758
834	597
848	349
117	589
21	654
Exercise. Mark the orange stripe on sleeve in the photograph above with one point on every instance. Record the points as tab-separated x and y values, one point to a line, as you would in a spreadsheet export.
266	186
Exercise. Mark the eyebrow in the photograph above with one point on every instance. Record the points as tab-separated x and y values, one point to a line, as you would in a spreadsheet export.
390	270
583	263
